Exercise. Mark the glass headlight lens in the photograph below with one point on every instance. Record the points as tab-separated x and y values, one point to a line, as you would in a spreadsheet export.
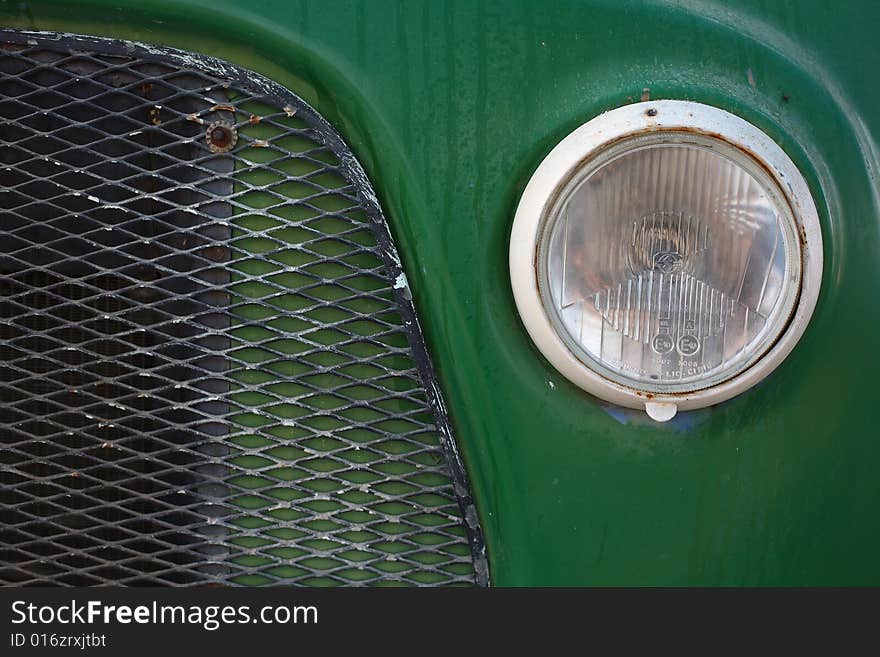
669	262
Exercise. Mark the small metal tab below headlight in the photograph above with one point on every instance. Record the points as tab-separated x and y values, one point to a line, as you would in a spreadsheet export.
666	255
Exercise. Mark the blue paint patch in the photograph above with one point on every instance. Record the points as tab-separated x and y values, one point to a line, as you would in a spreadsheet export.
682	422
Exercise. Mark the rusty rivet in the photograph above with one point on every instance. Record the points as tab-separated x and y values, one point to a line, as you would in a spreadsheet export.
221	137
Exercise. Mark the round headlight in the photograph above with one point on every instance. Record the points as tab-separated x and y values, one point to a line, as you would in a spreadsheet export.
667	255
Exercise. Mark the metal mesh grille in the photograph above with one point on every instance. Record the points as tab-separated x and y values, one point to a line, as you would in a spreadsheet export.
209	371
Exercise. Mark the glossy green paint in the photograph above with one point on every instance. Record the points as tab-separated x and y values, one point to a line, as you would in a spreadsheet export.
451	106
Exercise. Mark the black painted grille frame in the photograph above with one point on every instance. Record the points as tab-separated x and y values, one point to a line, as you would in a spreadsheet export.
188	526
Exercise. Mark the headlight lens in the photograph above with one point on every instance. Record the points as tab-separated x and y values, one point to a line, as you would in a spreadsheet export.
670	262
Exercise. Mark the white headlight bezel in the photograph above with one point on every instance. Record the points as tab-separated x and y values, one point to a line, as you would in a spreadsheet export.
570	155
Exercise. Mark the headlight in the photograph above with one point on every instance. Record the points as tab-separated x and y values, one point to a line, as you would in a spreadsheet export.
666	255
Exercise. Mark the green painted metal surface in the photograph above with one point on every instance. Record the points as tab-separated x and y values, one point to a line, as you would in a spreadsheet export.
450	106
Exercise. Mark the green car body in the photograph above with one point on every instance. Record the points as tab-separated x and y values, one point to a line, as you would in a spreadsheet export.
450	106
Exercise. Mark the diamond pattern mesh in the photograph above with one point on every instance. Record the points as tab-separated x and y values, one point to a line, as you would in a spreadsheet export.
206	371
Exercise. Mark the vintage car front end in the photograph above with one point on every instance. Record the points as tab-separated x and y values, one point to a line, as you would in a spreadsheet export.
438	293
